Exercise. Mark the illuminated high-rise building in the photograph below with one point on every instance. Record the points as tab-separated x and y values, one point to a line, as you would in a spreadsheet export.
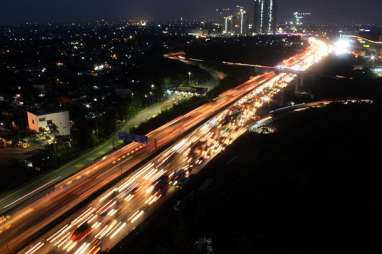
235	21
264	21
242	20
297	23
257	19
227	24
227	18
298	18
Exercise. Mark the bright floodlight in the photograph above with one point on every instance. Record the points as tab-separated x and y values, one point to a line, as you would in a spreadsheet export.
342	46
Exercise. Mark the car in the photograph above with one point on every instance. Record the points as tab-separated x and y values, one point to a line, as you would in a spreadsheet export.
160	185
178	177
134	190
81	232
178	206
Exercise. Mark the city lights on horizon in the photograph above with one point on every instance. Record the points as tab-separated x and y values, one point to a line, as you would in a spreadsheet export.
343	46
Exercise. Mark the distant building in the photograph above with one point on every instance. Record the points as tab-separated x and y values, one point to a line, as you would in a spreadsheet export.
235	22
226	16
257	19
265	13
242	21
58	122
297	24
298	18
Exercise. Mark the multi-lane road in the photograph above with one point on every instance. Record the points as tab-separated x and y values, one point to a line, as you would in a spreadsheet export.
118	211
110	217
24	223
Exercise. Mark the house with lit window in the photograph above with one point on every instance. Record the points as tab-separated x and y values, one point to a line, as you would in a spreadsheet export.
57	122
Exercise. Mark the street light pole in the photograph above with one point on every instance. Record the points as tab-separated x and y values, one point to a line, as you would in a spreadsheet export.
189	77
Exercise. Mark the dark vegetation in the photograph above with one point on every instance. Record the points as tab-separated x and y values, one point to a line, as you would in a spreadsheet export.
266	50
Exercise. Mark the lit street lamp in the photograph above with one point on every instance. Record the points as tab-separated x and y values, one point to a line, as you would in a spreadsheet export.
189	77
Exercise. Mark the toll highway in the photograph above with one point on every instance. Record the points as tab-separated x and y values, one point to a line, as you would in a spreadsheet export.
107	219
43	208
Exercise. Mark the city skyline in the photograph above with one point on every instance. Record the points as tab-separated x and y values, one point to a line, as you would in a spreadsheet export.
323	12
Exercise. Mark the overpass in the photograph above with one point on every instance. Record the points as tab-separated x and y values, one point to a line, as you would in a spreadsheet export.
295	69
362	38
277	69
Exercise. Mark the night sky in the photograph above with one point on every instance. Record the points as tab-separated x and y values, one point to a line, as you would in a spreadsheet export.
324	11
